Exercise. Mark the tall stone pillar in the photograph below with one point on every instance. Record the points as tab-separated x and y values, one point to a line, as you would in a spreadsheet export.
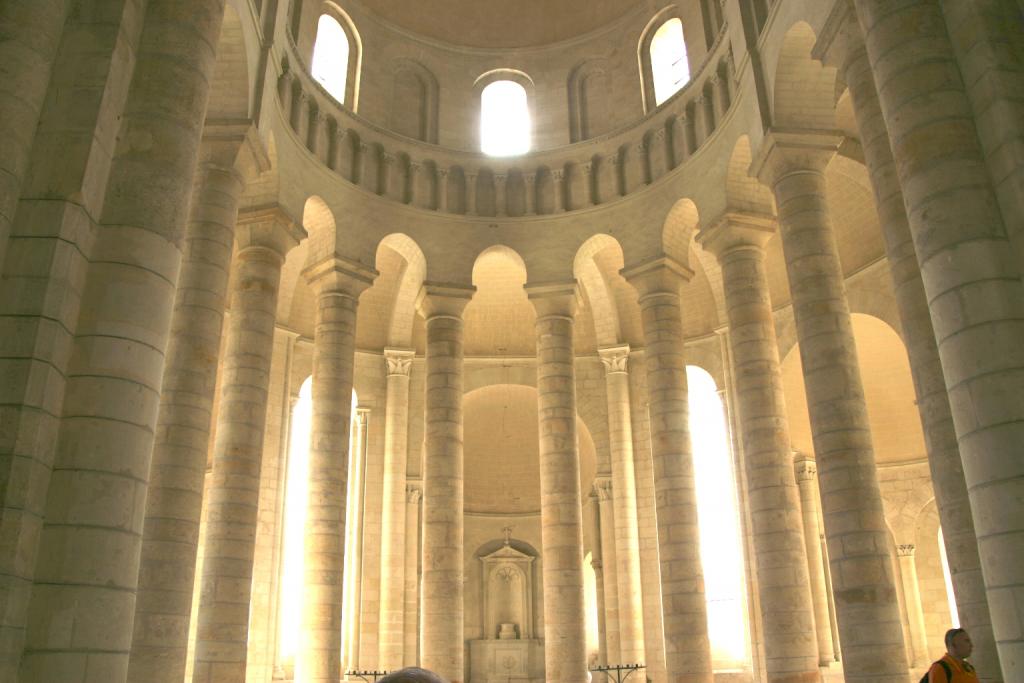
912	600
609	570
842	45
687	647
972	281
413	494
565	649
393	511
82	604
627	539
354	526
787	610
264	237
793	165
806	476
31	31
337	284
174	502
442	643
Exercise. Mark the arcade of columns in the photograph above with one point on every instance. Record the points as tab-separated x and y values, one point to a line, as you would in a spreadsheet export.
100	545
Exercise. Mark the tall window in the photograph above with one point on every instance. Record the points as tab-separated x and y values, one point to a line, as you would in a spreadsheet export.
718	518
669	67
330	56
296	499
504	119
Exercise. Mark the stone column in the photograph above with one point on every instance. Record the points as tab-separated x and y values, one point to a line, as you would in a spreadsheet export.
530	190
687	648
470	196
354	507
264	237
565	650
31	31
80	614
842	45
412	575
787	610
337	284
972	280
912	601
393	510
558	190
175	497
806	474
500	194
442	190
442	642
793	165
627	539
609	571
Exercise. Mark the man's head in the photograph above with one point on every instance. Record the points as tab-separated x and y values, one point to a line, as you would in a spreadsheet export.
958	643
411	674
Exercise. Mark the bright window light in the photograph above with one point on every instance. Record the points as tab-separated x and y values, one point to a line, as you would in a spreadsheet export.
718	519
504	119
295	495
669	67
954	614
330	56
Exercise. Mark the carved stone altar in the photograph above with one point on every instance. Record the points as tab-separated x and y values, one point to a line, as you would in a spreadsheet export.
509	651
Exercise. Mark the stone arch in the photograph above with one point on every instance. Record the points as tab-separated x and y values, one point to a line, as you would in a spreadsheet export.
507	74
804	91
499	320
589	89
414	100
303	27
318	220
603	309
403	306
742	191
678	229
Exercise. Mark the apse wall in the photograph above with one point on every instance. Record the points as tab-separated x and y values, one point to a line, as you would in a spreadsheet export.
395	63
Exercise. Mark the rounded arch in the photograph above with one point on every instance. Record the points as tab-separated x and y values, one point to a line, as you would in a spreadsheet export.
414	100
804	91
499	319
678	230
596	288
743	192
521	79
354	64
318	220
660	18
403	306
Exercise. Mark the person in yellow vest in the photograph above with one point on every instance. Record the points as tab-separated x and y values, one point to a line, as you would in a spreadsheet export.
954	667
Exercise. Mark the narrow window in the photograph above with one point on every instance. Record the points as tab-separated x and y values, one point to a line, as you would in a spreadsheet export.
718	520
330	56
669	67
504	119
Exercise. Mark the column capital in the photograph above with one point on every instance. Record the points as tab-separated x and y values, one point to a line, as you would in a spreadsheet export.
268	227
905	550
784	152
805	469
437	300
603	489
734	230
362	415
554	299
413	493
340	275
658	276
615	359
840	38
399	361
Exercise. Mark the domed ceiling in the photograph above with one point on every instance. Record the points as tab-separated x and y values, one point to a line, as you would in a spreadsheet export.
499	23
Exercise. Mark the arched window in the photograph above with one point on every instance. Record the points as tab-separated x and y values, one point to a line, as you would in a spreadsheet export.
296	499
504	119
670	70
718	517
330	56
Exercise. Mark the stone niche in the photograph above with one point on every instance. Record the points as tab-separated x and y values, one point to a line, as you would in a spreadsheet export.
508	652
